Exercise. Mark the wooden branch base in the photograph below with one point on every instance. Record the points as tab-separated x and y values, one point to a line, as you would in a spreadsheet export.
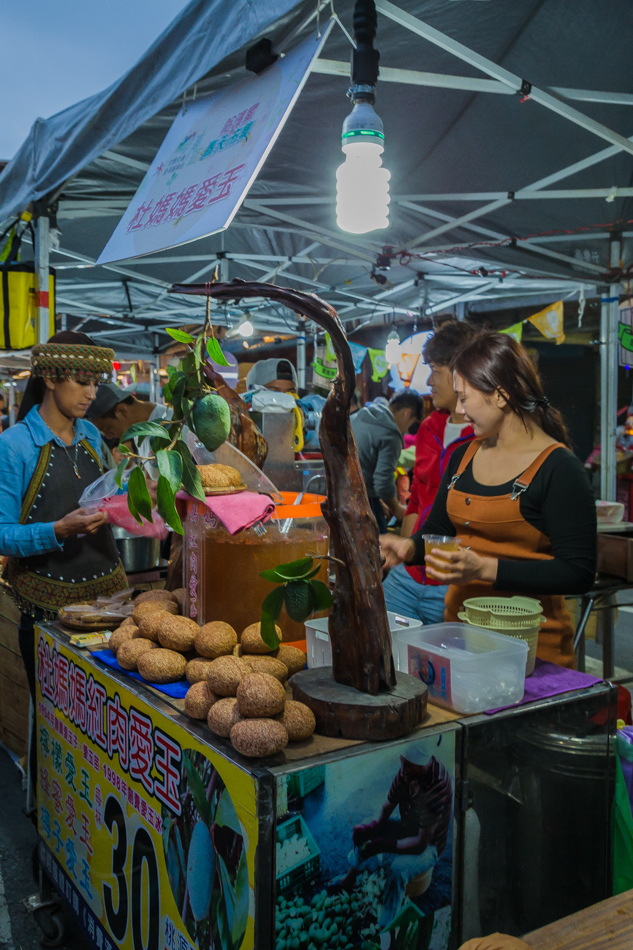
345	712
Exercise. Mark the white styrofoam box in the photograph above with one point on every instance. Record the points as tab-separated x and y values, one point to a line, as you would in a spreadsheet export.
466	668
318	641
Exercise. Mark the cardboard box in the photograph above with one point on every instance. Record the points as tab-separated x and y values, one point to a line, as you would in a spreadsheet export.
615	555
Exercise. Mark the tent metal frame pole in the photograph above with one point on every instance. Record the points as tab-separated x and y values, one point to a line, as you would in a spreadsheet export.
414	77
301	353
42	259
609	315
516	83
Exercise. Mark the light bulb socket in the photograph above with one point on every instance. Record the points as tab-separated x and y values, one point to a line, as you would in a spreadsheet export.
363	125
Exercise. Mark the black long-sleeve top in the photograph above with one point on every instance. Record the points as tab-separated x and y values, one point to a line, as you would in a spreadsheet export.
559	503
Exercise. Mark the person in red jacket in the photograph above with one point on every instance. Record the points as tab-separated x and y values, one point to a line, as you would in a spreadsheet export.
407	589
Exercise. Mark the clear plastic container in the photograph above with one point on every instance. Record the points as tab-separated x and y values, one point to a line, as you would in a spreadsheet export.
466	668
319	649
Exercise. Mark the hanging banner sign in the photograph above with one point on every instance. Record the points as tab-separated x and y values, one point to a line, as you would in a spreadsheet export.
515	331
210	158
550	322
148	834
379	364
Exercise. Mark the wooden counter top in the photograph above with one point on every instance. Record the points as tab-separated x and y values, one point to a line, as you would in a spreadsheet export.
604	926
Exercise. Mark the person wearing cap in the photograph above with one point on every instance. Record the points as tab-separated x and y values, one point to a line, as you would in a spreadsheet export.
114	410
277	375
58	554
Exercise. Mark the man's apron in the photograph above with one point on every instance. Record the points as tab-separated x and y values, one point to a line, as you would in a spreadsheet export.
86	567
493	526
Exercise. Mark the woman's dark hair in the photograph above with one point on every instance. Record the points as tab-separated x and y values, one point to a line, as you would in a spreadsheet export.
447	339
495	361
36	387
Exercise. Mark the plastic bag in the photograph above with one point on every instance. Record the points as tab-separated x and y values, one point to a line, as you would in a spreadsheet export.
621	834
105	495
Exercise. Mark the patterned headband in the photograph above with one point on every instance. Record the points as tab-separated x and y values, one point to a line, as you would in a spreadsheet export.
86	364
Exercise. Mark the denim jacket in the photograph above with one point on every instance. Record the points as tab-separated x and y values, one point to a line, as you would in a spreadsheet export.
20	447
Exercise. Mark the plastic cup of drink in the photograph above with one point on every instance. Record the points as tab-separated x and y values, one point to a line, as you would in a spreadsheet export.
434	541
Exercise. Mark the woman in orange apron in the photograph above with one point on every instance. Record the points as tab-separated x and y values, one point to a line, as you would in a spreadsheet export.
517	498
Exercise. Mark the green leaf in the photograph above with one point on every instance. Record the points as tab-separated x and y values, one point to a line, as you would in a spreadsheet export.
191	480
171	372
229	897
322	596
196	786
166	505
119	472
271	608
273	576
140	430
225	814
177	392
138	493
215	352
131	504
240	919
179	335
170	466
123	449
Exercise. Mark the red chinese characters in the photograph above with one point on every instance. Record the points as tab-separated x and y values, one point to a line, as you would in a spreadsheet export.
96	697
117	719
167	764
141	749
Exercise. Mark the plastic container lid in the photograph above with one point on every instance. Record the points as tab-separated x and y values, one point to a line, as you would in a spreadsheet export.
308	507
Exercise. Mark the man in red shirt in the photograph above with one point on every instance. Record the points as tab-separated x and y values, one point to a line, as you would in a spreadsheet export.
407	590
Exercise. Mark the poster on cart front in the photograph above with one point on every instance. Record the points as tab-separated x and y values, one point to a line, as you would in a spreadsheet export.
148	835
364	850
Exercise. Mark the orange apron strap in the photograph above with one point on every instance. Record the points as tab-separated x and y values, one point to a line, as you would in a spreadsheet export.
525	479
468	455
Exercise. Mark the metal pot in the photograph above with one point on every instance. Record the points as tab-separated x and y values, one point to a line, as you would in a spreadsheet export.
136	552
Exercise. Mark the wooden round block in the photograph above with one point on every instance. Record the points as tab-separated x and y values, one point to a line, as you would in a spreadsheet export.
345	712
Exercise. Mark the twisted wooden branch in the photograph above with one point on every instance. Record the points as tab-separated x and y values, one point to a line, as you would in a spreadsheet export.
358	626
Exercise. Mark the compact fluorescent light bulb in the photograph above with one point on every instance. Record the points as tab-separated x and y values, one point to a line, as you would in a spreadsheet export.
362	184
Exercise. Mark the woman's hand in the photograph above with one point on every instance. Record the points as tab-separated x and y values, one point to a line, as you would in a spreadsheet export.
463	566
79	521
395	550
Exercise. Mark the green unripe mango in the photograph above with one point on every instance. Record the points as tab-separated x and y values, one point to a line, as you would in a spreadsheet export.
211	418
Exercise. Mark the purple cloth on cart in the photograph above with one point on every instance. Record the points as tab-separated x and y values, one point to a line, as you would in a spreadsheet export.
176	690
548	679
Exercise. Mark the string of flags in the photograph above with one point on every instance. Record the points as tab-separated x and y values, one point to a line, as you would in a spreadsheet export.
548	321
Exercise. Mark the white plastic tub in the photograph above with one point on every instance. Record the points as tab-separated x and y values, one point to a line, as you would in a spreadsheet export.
319	649
466	668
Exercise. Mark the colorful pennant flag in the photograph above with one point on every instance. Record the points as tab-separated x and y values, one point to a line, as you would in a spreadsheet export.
379	364
516	331
550	322
406	367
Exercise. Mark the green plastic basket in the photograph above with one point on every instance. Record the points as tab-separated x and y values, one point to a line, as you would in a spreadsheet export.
500	613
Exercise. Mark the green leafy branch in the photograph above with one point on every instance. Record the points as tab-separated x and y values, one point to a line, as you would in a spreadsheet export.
196	406
299	592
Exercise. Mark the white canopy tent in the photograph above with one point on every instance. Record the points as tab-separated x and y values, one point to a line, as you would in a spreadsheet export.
506	135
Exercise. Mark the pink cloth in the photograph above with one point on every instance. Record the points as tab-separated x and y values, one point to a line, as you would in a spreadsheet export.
239	511
119	514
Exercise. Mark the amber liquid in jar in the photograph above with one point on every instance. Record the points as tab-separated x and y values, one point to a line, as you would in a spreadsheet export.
229	585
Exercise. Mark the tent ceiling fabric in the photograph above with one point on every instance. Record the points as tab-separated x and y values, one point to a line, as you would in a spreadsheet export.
454	155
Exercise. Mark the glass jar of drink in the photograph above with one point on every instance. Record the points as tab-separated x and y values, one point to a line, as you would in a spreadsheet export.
222	570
